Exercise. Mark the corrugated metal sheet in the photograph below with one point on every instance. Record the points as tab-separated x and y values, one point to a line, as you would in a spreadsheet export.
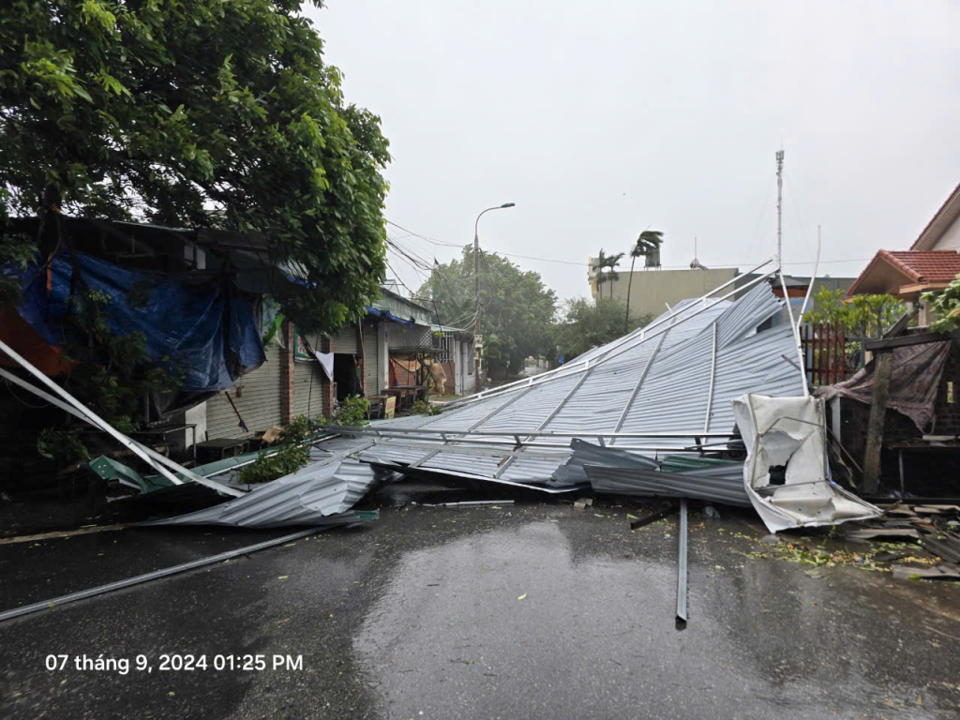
371	370
721	484
319	494
678	362
258	403
573	472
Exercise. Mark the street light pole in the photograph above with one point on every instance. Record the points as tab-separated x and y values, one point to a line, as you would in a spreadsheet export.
476	290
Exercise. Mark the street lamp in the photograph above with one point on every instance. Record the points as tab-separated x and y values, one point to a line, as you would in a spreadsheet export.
476	284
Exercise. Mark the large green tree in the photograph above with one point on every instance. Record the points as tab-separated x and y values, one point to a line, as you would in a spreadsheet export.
517	308
199	113
587	324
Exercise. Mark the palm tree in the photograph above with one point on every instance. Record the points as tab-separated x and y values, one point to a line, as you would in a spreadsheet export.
609	262
648	242
601	279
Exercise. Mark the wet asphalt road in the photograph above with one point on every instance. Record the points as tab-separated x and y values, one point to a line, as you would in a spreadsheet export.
419	616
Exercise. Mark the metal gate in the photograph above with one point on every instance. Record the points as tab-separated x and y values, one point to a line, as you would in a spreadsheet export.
258	402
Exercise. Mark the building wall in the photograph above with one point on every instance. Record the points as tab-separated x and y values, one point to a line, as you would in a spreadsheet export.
652	288
950	240
465	369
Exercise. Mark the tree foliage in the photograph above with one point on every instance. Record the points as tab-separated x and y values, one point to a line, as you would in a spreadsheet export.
518	309
195	114
648	242
587	324
945	307
605	268
870	315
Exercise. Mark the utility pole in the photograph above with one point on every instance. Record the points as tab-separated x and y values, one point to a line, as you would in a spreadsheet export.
477	338
779	207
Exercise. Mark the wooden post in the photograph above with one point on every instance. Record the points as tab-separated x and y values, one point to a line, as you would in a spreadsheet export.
878	407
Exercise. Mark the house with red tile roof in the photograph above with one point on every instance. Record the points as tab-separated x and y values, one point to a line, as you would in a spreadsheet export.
930	264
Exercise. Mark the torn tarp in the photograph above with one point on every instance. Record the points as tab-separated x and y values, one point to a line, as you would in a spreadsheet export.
198	324
787	475
914	382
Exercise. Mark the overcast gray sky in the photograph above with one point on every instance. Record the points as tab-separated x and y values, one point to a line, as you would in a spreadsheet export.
602	118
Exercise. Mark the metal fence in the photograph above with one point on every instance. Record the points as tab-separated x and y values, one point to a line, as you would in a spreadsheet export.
824	352
445	345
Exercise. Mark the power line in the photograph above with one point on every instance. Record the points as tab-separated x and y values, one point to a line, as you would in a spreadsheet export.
412	266
582	264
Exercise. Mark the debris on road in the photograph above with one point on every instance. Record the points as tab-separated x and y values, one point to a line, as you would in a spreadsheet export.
321	494
155	575
787	472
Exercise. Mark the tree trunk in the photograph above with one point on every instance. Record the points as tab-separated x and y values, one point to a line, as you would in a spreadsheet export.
626	319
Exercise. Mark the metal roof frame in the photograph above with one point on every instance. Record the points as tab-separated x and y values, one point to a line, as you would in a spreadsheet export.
615	348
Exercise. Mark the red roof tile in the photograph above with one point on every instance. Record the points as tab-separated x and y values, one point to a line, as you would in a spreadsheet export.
924	265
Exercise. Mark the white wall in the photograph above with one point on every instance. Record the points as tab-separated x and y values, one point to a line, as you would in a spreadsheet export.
383	354
950	240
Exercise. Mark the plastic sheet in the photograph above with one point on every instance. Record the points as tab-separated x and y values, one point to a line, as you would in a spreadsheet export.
203	326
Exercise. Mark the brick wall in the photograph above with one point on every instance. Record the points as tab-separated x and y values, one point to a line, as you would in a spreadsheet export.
399	375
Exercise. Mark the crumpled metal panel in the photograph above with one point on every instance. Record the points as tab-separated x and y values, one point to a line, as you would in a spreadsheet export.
573	471
721	484
319	494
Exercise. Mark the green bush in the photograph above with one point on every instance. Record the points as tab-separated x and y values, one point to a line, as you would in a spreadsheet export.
351	413
287	459
945	307
423	407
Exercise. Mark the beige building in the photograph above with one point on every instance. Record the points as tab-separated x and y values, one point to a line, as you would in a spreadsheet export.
653	289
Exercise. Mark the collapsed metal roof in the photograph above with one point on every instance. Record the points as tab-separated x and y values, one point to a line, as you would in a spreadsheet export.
654	390
322	493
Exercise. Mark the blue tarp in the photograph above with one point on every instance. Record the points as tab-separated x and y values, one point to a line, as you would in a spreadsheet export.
204	326
387	315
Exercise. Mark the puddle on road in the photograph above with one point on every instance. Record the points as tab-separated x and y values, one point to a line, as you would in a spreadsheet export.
535	621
